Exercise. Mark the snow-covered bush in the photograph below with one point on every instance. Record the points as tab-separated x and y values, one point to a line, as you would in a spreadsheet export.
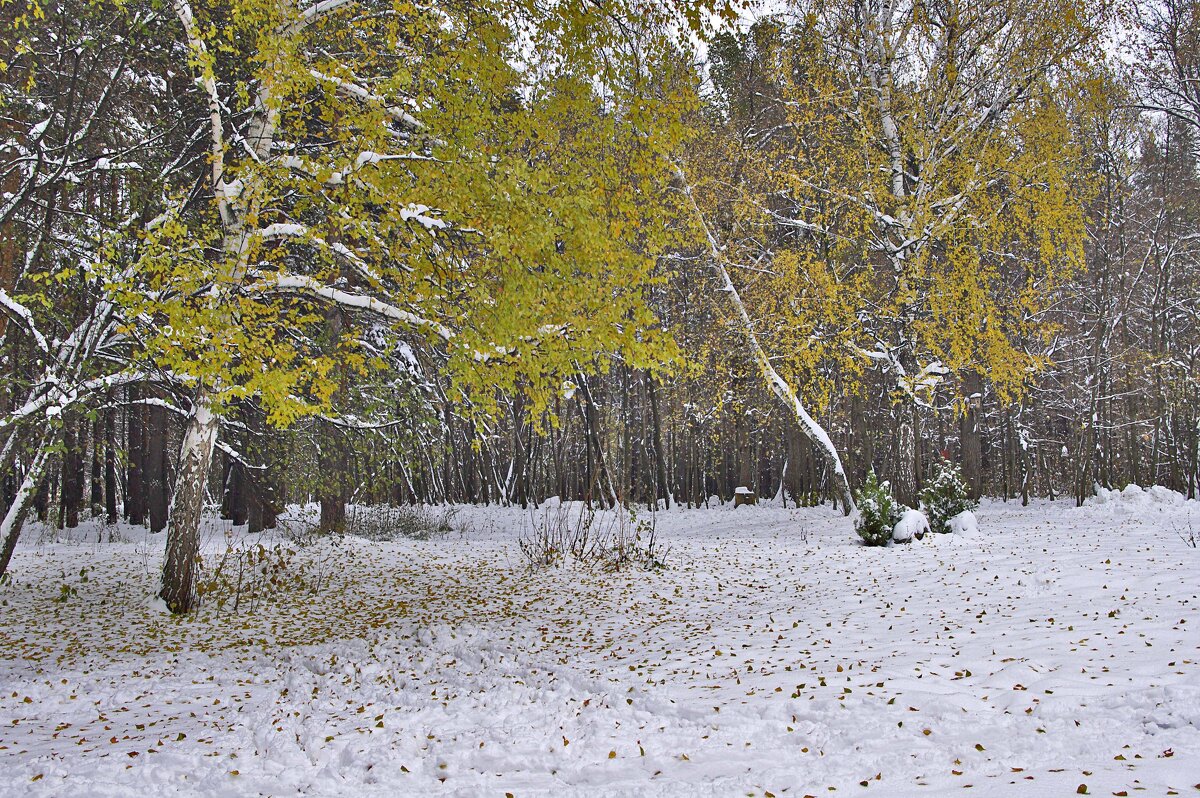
1133	497
945	497
877	512
964	524
912	524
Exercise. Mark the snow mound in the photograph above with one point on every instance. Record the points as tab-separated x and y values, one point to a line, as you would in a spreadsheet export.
1135	497
156	605
965	524
912	524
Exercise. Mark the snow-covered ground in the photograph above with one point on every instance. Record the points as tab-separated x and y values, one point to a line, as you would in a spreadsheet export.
775	656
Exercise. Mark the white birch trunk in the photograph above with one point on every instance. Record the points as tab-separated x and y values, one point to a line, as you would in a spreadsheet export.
883	81
187	506
183	528
10	525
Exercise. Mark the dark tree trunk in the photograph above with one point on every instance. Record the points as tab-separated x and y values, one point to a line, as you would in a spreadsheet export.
261	501
226	510
97	487
135	486
41	496
599	479
333	484
110	466
254	507
72	475
237	490
155	464
972	444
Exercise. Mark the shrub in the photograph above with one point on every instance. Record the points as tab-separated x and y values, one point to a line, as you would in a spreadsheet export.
945	497
385	523
611	540
250	574
877	512
912	525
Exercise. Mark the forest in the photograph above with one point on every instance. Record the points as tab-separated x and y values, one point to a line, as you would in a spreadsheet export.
238	266
337	264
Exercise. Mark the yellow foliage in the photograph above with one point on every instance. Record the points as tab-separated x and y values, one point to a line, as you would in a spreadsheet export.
516	210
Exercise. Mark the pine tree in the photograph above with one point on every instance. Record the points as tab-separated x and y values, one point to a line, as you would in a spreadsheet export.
878	512
945	496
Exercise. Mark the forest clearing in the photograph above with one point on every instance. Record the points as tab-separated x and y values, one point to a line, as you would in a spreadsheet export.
599	397
772	654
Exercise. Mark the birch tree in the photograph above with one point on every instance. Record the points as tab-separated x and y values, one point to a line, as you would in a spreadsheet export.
415	164
916	171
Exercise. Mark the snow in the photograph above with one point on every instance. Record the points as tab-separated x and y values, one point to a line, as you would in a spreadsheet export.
361	93
108	165
299	282
774	653
37	130
964	524
417	213
283	230
912	524
1134	498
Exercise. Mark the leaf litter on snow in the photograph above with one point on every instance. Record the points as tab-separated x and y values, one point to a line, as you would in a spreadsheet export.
774	654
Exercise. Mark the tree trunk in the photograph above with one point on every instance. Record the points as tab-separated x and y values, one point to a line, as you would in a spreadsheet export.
254	508
333	512
904	479
971	440
135	489
237	491
110	466
72	475
97	488
14	518
599	478
155	464
183	531
332	492
662	489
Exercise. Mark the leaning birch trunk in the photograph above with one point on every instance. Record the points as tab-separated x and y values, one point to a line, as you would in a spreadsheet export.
183	528
782	391
14	519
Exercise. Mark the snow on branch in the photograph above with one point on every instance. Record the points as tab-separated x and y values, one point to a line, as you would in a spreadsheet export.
55	400
321	9
361	93
303	284
23	315
280	230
